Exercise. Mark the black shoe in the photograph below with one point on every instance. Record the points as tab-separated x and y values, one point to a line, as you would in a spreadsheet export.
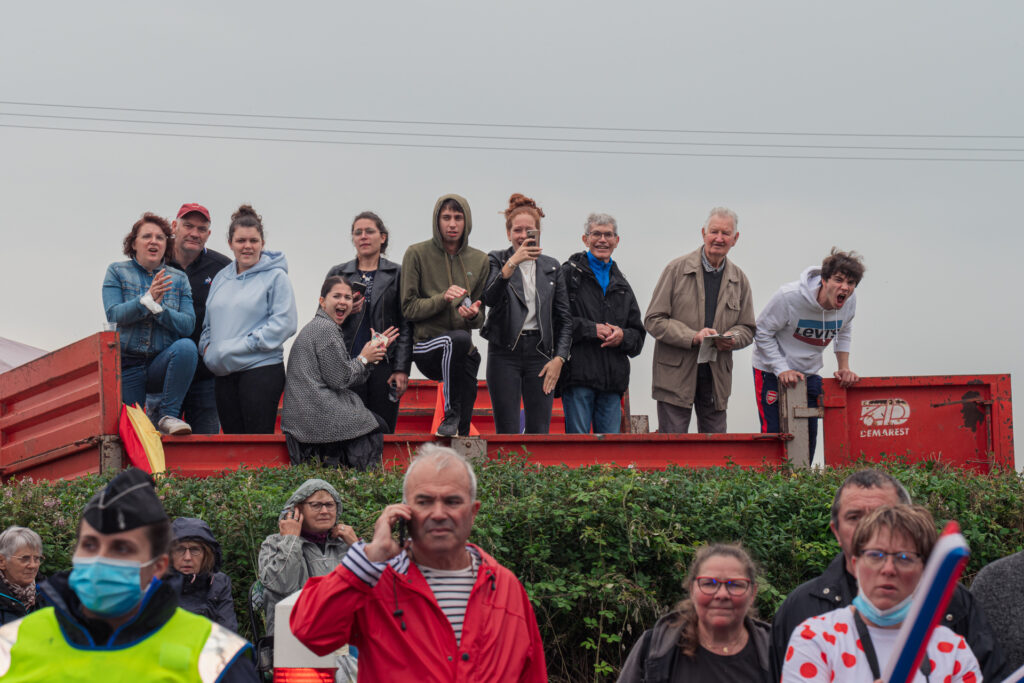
449	427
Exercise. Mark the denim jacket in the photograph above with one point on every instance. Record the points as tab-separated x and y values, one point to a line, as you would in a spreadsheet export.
142	333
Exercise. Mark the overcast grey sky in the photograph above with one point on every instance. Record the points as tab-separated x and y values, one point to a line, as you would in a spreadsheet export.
941	239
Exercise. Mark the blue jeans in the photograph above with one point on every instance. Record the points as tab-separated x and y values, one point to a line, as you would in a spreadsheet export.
585	407
169	374
199	407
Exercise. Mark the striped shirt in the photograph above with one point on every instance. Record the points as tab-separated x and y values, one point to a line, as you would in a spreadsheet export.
451	588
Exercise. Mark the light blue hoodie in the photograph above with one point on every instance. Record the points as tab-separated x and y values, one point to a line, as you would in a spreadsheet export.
249	316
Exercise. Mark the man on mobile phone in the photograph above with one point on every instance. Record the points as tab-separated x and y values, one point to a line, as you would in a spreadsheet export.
384	596
679	322
443	280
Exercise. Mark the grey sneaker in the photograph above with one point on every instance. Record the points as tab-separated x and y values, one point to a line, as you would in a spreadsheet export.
449	427
173	426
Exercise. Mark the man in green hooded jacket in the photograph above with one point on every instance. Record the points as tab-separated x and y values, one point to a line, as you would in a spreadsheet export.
443	280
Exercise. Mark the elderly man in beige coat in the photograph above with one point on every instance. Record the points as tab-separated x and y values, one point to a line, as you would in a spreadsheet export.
702	294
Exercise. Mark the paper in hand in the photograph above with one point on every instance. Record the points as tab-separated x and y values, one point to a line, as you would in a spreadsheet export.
708	351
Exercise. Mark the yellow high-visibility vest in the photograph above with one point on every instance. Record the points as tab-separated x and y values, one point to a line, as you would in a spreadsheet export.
188	648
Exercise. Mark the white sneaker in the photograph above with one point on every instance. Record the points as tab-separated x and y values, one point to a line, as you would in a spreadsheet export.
173	426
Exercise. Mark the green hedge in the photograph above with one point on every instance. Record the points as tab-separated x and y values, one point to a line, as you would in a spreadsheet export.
601	550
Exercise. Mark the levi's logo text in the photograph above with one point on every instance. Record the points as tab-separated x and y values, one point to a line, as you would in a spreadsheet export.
817	332
884	417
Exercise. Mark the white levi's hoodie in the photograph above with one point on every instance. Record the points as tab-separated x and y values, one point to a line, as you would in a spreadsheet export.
793	329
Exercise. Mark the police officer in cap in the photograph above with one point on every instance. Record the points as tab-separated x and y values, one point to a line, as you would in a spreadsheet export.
111	618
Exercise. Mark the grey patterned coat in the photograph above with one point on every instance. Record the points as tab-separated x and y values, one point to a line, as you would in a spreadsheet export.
318	405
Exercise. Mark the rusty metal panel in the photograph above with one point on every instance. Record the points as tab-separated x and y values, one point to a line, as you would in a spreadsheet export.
59	400
962	420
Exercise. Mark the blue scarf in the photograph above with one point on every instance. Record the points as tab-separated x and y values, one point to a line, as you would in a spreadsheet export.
602	271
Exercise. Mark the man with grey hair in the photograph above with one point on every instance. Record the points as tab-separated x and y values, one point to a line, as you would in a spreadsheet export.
702	295
859	494
607	330
425	604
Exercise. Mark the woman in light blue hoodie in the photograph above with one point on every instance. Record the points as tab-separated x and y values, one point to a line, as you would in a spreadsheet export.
250	312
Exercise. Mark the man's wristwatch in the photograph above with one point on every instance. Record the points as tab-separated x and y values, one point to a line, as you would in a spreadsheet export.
362	359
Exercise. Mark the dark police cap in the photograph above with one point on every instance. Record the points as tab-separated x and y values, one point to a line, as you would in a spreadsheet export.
128	502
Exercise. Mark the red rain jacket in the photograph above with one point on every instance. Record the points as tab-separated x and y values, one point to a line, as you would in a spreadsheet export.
500	639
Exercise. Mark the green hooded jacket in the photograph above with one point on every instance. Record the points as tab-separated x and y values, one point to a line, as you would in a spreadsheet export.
427	273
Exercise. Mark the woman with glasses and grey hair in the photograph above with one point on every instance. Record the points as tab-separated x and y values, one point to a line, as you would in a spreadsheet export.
21	553
310	542
711	636
890	548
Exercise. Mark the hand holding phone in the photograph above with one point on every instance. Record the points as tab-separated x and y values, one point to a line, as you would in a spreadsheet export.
385	544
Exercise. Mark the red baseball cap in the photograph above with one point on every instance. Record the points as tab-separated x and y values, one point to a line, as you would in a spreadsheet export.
193	208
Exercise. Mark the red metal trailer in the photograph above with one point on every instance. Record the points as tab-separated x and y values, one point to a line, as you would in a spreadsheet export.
59	417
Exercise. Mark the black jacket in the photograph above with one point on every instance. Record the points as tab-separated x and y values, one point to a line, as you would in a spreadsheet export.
507	304
603	369
386	309
651	659
200	275
85	633
10	607
207	594
832	590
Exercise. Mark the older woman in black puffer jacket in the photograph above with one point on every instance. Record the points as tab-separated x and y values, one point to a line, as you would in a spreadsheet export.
195	573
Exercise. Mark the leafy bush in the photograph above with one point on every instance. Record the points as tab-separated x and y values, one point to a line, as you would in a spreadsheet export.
601	550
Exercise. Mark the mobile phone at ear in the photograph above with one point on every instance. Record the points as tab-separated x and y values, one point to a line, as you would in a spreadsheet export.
535	236
401	531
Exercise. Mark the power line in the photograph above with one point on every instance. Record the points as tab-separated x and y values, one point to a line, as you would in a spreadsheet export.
511	125
512	149
687	143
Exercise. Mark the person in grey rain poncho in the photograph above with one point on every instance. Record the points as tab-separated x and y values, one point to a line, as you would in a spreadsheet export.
310	542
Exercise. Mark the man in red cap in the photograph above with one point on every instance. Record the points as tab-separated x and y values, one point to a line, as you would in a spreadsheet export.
191	231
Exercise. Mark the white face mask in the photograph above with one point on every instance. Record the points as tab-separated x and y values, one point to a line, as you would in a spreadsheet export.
881	617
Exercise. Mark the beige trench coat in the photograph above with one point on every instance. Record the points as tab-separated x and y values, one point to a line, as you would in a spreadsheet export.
676	314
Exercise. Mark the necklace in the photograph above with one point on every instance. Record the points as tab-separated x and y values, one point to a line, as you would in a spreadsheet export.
725	649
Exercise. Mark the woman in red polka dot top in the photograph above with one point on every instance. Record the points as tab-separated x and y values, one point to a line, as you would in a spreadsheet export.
852	644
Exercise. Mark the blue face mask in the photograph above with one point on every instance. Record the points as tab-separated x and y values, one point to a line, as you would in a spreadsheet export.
882	617
107	587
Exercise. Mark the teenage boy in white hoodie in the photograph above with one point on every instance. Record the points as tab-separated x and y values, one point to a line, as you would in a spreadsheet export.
796	325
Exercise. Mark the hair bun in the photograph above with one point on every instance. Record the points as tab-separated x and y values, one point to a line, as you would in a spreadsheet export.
246	210
518	200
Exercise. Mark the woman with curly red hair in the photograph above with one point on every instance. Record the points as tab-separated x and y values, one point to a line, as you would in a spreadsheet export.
528	328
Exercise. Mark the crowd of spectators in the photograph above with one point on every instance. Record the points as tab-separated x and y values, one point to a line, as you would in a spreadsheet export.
202	334
426	602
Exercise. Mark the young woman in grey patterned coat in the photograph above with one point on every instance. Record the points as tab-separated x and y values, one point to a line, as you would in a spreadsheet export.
322	417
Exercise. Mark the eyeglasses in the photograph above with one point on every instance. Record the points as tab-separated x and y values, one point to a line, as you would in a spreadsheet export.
193	550
28	559
317	507
600	235
901	560
709	585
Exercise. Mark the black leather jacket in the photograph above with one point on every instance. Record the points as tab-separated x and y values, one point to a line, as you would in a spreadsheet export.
386	307
507	306
832	590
